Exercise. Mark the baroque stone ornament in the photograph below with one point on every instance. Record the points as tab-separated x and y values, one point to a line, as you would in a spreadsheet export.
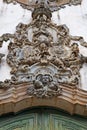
43	55
44	86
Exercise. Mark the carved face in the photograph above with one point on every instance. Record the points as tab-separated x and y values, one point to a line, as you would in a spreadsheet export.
45	79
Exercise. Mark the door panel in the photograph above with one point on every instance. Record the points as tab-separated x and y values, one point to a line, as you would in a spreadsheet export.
28	122
65	123
42	121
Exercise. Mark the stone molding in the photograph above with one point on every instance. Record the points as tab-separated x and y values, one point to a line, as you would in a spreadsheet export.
15	99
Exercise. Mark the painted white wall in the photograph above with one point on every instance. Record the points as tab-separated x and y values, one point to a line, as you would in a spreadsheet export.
75	17
10	16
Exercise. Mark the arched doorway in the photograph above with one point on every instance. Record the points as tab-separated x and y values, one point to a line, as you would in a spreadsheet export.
42	119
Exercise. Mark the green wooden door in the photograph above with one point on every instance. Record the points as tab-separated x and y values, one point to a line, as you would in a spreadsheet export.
42	121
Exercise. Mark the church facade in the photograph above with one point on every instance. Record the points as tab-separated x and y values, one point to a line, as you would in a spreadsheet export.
44	92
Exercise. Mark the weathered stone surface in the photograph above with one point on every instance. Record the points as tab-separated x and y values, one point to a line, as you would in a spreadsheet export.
45	62
44	86
35	45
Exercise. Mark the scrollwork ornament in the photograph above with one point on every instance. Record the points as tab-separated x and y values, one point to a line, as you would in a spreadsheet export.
44	60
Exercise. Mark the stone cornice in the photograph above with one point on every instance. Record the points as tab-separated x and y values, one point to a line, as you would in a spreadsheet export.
15	99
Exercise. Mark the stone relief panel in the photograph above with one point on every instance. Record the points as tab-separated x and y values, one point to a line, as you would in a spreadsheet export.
45	82
44	55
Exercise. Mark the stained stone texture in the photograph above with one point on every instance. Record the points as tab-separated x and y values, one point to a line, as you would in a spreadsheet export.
45	63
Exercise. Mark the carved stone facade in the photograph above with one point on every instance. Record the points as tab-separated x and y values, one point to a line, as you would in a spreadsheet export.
45	49
44	57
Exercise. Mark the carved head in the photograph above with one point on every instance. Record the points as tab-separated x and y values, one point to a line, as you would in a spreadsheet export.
45	79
